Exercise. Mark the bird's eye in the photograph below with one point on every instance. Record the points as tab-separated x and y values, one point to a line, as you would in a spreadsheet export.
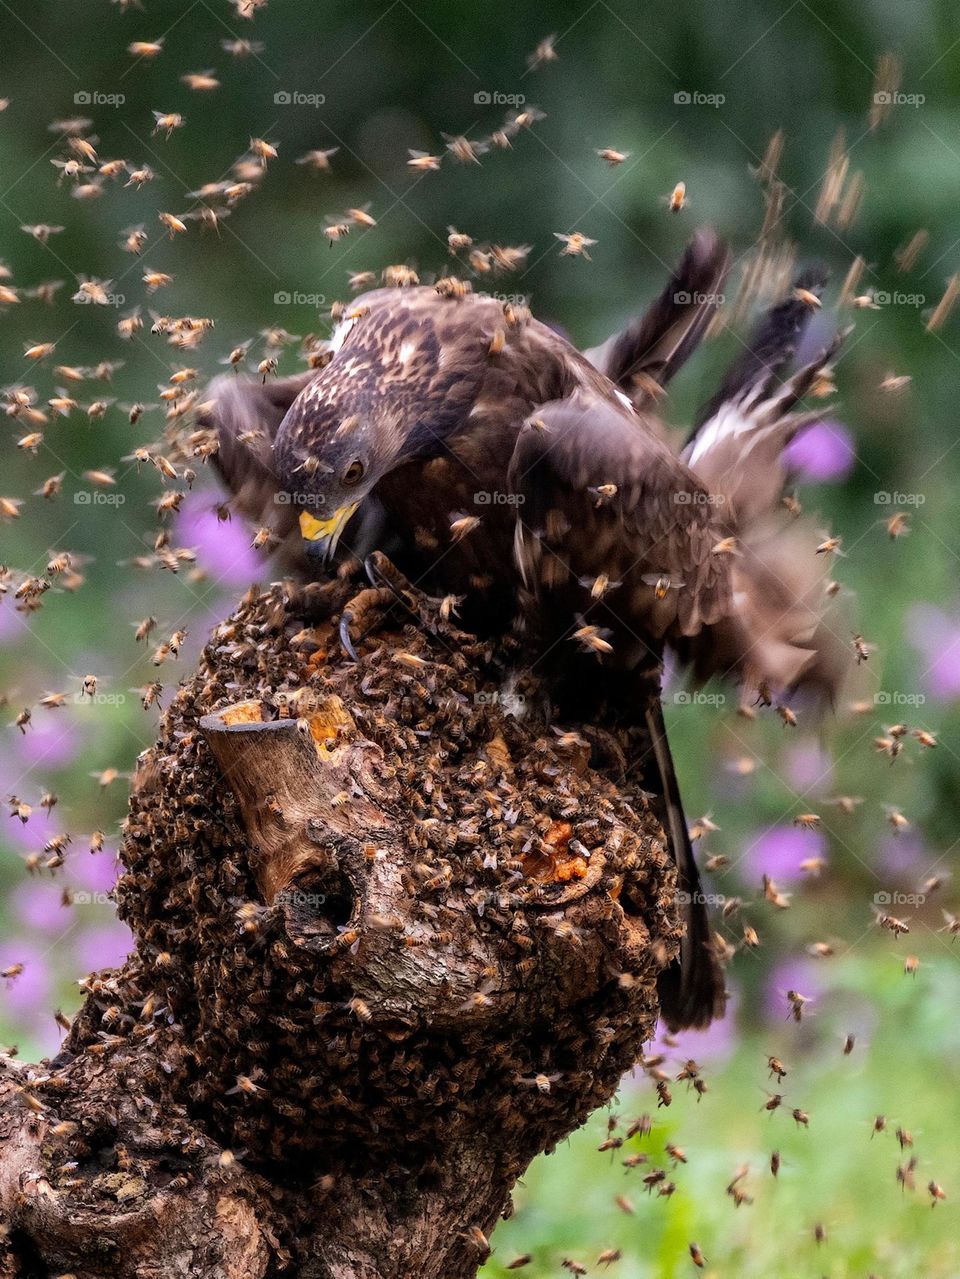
354	473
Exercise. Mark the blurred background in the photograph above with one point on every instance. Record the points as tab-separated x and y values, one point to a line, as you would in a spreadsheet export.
686	93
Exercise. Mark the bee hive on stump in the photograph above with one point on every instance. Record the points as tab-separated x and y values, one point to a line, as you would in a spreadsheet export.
392	941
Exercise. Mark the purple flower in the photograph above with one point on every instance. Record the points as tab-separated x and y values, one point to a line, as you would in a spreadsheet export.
778	852
823	453
39	907
106	946
937	636
802	974
806	766
33	986
223	548
710	1047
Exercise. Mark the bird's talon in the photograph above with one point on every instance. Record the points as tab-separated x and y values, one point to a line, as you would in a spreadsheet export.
346	643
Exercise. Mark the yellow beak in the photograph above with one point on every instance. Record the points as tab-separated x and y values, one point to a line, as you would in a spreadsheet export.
325	533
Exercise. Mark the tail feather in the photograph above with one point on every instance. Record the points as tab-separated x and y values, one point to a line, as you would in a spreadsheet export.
649	351
770	349
779	632
691	990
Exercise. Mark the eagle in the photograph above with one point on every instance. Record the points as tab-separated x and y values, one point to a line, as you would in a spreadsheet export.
493	461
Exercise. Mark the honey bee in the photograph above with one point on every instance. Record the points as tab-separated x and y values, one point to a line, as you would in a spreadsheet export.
319	161
575	244
146	48
677	199
175	225
165	123
613	157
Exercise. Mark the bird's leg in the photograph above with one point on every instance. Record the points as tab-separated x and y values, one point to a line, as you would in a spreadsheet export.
365	609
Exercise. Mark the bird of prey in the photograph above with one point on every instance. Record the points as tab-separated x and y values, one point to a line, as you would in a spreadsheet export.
492	460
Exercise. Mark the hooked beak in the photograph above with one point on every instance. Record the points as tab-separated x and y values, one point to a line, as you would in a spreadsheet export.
321	536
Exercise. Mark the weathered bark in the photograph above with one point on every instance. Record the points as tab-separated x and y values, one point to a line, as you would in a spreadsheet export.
391	943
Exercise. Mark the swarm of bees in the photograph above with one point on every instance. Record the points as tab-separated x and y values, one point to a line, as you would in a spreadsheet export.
468	864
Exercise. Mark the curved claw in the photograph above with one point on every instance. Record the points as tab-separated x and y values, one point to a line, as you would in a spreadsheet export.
346	642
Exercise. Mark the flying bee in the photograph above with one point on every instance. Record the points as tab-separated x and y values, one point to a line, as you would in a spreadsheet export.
319	161
925	738
797	1002
677	199
612	157
830	546
165	123
697	1257
726	546
138	177
200	81
146	48
575	244
662	583
599	586
593	639
173	224
134	238
807	821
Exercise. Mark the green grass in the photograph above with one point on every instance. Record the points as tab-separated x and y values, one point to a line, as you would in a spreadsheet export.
835	1172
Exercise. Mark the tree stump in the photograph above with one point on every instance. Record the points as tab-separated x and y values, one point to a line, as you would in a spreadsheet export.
395	935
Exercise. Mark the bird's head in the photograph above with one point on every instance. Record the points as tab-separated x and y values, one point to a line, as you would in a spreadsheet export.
328	455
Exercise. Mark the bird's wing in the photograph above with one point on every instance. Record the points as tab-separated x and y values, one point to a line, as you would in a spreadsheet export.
246	416
653	347
600	495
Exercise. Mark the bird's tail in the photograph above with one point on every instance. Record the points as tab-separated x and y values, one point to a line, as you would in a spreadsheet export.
691	989
780	632
652	348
